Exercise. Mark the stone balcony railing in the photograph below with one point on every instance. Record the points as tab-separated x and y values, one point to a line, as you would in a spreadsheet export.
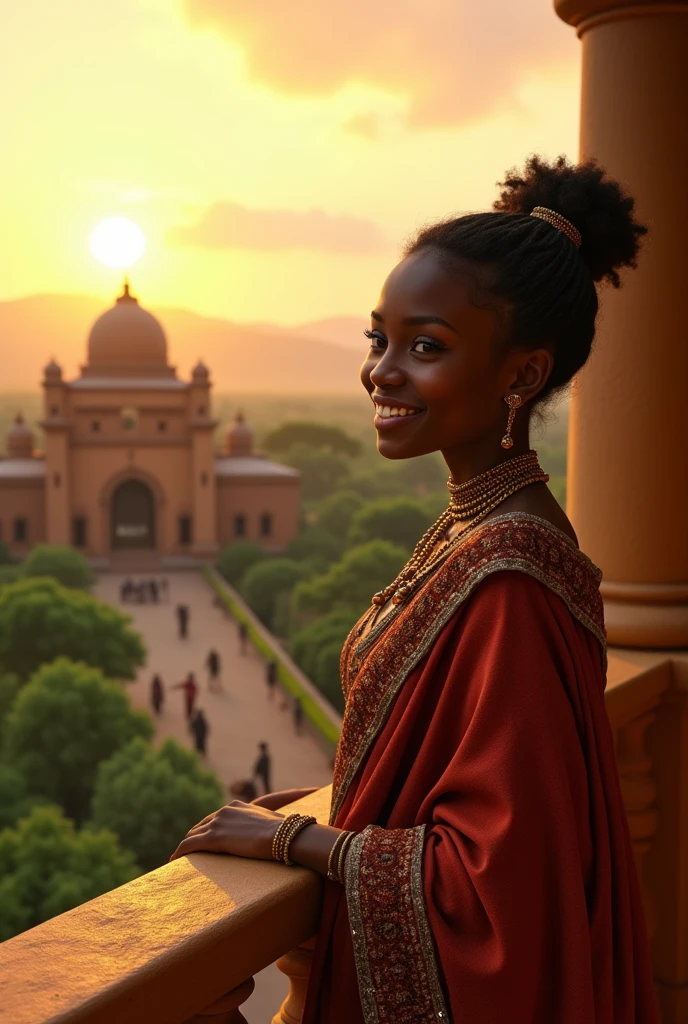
180	944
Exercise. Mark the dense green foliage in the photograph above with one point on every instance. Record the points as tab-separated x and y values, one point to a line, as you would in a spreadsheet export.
337	510
41	620
5	557
321	471
317	546
61	563
263	584
64	722
15	800
351	582
311	435
151	798
402	521
237	558
47	868
10	685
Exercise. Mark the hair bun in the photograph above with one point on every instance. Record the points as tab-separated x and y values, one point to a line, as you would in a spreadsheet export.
596	205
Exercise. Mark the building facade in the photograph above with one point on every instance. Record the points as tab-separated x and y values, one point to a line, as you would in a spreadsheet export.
129	470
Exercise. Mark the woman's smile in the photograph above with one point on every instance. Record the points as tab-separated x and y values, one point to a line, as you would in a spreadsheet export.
391	413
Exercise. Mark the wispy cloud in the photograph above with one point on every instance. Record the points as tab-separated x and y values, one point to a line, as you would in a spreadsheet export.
452	60
229	225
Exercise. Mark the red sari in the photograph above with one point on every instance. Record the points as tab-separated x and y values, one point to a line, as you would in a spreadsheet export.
493	880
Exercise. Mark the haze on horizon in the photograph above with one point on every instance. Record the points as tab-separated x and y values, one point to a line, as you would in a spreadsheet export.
274	165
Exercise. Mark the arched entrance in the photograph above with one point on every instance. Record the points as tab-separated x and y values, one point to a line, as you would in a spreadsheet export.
133	516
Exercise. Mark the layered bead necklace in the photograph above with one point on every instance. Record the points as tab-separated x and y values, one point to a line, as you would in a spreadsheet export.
473	500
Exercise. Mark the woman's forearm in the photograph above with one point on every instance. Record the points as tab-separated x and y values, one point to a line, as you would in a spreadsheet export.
312	847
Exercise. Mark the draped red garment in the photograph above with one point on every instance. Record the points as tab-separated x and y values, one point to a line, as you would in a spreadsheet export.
498	742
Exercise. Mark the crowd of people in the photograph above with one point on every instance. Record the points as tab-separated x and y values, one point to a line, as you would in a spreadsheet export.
197	720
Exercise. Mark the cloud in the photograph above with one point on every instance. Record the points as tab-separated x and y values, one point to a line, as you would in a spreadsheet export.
453	60
229	225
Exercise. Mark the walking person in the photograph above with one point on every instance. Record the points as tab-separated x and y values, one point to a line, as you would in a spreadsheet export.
478	849
263	767
190	688
200	728
157	694
213	664
164	590
298	715
271	677
243	638
182	612
153	590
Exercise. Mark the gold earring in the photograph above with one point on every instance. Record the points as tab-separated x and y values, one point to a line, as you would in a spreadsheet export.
513	401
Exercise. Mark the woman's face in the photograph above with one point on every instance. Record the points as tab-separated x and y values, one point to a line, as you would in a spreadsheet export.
431	369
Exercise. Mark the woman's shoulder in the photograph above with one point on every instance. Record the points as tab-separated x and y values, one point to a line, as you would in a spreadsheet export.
525	544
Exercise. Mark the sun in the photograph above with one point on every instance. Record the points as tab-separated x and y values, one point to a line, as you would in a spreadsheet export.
117	242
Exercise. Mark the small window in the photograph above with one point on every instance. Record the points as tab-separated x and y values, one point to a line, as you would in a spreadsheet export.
54	410
185	529
95	427
204	479
201	410
57	479
239	526
79	532
162	426
266	525
129	417
20	530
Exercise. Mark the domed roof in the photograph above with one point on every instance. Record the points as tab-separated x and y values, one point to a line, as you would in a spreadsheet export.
200	372
239	437
20	439
52	372
127	340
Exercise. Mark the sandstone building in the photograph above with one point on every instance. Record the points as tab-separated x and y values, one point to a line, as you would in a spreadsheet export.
130	472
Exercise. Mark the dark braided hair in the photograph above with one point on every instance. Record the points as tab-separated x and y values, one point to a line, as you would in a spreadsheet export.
534	278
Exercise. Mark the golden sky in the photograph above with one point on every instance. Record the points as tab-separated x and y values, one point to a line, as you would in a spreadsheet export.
275	153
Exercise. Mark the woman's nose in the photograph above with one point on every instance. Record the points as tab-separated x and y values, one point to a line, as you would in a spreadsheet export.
387	372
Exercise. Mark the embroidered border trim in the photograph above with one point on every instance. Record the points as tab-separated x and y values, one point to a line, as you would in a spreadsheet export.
515	541
393	947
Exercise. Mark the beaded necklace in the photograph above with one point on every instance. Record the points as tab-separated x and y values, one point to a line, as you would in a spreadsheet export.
473	500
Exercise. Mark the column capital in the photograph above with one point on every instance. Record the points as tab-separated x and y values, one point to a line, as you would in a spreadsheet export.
583	14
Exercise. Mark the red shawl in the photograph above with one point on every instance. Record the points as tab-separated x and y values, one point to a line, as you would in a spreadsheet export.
493	880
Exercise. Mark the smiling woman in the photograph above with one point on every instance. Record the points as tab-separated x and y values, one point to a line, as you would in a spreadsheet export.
478	856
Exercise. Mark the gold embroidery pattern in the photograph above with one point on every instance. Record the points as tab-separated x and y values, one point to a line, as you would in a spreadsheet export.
392	941
372	680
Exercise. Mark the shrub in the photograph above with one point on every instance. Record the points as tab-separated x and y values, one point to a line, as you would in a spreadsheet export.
263	584
61	563
351	582
236	559
401	521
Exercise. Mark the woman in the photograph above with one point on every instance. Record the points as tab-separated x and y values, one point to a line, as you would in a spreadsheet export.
488	874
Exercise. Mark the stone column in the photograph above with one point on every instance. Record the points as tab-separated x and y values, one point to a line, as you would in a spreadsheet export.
628	475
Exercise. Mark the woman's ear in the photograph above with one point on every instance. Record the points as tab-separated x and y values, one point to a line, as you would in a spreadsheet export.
531	371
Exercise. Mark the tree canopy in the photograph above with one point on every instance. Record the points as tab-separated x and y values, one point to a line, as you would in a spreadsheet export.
47	868
41	620
315	543
237	558
151	798
15	800
313	435
321	471
336	511
61	563
263	584
351	582
64	722
401	521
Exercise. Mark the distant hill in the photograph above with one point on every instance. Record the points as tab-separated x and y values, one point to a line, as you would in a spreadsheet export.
259	358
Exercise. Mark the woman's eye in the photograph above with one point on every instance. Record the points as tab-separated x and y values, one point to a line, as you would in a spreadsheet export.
376	339
426	345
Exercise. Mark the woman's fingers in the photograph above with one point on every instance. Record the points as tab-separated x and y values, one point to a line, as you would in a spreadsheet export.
195	844
204	821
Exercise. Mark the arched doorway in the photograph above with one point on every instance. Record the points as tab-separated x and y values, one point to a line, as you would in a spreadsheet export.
133	516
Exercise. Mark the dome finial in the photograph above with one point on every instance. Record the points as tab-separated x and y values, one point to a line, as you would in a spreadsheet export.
20	440
126	295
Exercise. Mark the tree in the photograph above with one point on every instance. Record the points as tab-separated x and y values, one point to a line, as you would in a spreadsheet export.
41	620
151	798
64	722
326	675
313	436
351	582
321	471
10	685
47	868
5	556
316	543
263	584
237	558
9	574
61	563
307	643
336	511
401	521
15	800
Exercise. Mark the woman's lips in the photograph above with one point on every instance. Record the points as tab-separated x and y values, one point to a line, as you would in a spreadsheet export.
391	417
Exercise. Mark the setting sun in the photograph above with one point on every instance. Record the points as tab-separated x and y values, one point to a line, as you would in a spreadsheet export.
117	242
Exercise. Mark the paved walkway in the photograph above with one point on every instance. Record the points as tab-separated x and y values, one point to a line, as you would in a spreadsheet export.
239	717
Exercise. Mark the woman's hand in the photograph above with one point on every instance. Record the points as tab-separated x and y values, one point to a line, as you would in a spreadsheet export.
244	830
273	801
